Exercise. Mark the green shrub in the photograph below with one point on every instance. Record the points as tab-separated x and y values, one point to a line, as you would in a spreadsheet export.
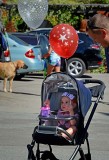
102	68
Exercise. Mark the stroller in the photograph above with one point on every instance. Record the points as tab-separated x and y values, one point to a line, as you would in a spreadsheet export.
88	93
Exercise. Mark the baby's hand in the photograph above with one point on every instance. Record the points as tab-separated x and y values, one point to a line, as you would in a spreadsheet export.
47	102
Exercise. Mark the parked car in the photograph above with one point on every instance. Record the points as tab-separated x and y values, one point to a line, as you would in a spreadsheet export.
86	57
30	54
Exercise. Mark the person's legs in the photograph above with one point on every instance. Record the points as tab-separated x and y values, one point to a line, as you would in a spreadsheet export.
57	68
49	69
53	64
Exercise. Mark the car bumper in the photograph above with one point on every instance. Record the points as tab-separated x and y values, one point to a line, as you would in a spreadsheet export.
33	67
95	66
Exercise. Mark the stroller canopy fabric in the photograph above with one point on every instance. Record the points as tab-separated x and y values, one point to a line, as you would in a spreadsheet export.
55	81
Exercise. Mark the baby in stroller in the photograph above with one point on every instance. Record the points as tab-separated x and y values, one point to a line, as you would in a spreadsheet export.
68	108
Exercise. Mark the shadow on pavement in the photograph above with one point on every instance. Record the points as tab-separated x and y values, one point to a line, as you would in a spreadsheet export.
26	93
23	79
41	76
106	103
106	114
86	76
36	77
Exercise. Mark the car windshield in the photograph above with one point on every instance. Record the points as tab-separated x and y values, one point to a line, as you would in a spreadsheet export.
17	40
84	38
41	31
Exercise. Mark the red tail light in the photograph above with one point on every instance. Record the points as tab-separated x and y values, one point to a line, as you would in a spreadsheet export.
30	54
7	53
100	63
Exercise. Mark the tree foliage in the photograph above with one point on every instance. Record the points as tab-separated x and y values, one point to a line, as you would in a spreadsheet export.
70	1
65	12
78	1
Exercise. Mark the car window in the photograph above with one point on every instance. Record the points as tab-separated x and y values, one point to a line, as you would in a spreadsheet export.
84	42
27	38
43	32
85	38
17	40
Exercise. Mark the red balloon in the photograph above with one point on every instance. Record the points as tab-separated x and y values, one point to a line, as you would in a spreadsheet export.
63	39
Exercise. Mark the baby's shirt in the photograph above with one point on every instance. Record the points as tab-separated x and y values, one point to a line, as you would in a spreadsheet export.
63	123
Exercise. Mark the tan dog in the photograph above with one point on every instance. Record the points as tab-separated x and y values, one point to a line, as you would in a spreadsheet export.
8	71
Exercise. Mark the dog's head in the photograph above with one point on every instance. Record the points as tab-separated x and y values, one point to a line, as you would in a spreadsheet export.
21	64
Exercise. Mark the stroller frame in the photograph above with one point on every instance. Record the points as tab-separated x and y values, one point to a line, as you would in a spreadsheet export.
97	91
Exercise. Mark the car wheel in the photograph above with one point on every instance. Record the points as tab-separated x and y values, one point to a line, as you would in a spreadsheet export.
76	67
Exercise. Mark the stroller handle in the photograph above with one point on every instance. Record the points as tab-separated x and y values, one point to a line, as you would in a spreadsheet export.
92	81
98	89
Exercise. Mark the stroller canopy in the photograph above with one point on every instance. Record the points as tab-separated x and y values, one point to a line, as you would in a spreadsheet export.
58	81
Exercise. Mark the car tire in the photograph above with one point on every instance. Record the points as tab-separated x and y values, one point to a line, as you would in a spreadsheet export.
76	67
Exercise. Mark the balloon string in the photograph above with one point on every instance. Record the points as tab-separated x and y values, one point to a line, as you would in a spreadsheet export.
66	65
45	68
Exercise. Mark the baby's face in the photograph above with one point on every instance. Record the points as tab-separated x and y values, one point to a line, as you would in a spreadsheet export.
65	103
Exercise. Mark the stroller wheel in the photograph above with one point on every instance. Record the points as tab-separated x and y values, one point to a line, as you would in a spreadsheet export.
47	155
30	153
87	157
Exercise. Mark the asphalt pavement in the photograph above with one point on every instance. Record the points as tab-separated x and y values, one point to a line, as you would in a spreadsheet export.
18	117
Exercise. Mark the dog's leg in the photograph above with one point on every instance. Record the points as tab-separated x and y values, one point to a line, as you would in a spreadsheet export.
5	84
10	84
